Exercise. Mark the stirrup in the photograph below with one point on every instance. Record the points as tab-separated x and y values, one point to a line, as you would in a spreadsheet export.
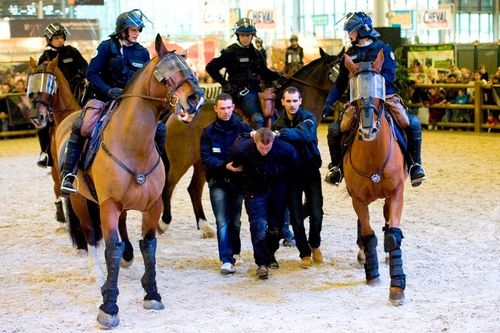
334	176
43	160
69	190
418	180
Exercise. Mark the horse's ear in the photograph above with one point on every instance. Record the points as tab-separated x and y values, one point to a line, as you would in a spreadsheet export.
51	66
379	61
349	64
161	50
322	53
32	64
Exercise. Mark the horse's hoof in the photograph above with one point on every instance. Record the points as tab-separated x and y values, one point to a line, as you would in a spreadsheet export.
126	264
61	229
153	305
397	296
207	231
81	253
361	257
373	282
162	227
107	320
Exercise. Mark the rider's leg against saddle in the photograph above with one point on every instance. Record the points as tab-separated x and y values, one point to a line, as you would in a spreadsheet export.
70	158
414	135
334	175
44	140
251	107
161	136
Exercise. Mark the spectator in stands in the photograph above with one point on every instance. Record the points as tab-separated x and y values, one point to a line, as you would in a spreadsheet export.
435	114
484	73
462	115
450	94
259	46
465	76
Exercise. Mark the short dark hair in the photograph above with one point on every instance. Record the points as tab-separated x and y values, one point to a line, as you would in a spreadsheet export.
223	97
292	90
264	135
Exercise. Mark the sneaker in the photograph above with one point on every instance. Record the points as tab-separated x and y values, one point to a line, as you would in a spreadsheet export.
274	263
227	268
334	175
289	242
43	160
417	175
305	262
262	272
317	256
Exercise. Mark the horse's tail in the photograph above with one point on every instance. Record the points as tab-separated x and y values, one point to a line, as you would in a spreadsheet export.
95	217
75	232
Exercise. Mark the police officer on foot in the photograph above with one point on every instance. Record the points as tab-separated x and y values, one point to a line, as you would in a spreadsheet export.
72	65
365	47
245	68
113	64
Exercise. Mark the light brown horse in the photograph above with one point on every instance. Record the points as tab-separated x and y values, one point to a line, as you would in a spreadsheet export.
374	168
183	142
126	172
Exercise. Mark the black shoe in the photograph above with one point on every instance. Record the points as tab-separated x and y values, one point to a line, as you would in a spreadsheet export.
43	160
417	175
67	184
262	272
334	175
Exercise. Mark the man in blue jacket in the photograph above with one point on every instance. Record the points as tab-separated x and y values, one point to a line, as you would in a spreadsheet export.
365	47
298	127
224	181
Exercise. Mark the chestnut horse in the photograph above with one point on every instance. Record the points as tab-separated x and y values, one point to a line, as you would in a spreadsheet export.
183	142
374	168
127	174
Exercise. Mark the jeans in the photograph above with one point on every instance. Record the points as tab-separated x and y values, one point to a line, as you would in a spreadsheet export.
309	184
287	233
265	214
226	205
251	108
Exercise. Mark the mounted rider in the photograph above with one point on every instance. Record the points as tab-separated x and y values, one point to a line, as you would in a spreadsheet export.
365	47
72	65
245	68
294	56
111	67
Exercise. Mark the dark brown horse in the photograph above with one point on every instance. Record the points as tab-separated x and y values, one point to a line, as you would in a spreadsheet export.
183	142
126	172
374	168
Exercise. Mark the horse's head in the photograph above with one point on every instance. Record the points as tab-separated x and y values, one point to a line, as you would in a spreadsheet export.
332	62
183	90
41	90
367	94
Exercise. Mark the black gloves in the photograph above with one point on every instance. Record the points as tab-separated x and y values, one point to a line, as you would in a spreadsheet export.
115	92
231	89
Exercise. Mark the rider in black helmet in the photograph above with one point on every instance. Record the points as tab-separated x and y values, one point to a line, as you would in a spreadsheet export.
72	65
365	47
294	56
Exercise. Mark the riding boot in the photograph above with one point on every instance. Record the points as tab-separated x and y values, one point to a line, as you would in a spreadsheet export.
44	140
161	136
71	156
334	175
414	136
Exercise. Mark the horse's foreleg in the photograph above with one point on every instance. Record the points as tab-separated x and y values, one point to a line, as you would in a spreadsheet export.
152	300
195	190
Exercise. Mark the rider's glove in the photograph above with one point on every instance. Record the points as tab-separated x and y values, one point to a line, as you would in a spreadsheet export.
115	92
231	89
327	110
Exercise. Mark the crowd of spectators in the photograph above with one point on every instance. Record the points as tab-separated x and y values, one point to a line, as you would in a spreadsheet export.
13	100
423	99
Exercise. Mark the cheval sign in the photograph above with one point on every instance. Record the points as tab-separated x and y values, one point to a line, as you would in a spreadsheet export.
438	19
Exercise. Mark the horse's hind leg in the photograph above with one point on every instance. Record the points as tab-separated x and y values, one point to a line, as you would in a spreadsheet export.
152	300
128	252
195	190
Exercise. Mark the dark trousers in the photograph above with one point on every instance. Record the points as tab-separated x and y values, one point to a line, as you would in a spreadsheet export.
310	184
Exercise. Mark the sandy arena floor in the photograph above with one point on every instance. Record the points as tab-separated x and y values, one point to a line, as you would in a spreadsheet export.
451	255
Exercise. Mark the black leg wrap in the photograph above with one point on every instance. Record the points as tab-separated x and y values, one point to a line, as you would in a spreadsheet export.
370	249
60	212
109	291
148	280
392	243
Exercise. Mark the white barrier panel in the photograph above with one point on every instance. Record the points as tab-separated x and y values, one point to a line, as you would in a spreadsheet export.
211	90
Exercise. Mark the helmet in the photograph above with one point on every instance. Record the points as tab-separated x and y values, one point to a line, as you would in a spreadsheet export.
361	23
130	19
55	29
294	37
245	26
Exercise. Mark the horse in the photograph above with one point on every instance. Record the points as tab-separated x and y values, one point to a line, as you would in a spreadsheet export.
126	172
184	142
374	168
53	101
